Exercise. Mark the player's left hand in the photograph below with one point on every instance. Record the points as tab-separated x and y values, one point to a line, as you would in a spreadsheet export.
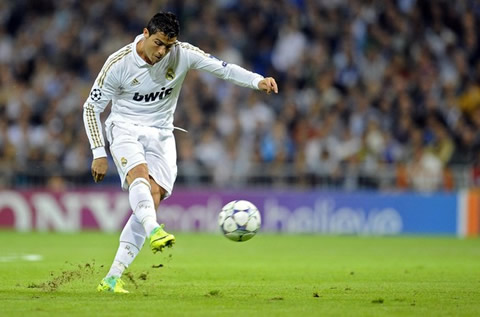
99	169
268	85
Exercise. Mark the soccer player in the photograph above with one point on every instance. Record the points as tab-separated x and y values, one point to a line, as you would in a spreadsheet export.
143	81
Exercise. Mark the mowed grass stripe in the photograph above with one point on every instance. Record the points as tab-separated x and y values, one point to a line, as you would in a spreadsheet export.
270	275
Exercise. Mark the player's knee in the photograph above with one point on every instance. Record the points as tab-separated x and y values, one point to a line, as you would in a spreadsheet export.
139	181
139	171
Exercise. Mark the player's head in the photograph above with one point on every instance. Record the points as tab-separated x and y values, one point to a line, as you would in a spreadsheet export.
165	22
160	34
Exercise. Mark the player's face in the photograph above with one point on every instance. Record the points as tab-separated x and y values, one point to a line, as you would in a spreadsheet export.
157	45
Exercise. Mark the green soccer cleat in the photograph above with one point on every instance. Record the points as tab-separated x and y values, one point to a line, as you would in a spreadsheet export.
160	239
112	284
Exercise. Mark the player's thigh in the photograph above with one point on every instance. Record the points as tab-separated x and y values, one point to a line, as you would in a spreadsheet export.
161	158
128	153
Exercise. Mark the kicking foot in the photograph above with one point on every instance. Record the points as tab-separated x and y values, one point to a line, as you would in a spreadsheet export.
160	239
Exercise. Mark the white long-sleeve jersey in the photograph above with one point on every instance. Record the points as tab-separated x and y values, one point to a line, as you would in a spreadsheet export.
146	94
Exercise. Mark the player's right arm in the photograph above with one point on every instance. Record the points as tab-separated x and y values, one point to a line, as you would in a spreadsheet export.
104	87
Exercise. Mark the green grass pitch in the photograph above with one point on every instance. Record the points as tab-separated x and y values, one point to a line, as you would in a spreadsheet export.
271	275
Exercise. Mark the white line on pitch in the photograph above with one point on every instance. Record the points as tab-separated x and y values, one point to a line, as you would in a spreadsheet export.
21	257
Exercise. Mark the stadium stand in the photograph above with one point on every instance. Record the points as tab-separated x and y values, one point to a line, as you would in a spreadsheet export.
381	95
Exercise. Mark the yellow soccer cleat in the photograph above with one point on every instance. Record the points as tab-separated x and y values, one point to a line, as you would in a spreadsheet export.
160	239
112	284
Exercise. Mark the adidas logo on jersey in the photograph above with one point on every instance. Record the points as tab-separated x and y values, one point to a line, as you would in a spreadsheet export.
164	93
134	82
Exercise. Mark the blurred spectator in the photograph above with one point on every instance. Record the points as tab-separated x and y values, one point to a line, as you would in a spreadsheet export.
367	89
425	171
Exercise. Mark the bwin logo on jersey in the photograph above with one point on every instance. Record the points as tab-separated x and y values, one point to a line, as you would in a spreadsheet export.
164	93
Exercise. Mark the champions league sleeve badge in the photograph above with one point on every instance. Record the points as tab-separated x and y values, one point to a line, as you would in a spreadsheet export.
96	94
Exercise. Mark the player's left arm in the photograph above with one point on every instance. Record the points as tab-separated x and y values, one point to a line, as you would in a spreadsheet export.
100	95
233	73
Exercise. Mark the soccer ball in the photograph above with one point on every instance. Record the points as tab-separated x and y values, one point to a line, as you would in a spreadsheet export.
239	220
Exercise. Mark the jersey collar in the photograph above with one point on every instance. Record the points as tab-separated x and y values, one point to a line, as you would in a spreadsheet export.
138	60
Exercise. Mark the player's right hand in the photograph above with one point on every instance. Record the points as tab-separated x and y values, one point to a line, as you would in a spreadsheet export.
99	168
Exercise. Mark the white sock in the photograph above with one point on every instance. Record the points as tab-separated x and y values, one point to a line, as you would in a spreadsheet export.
141	202
131	242
116	269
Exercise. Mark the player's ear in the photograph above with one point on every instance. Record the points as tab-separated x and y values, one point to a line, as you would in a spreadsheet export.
145	33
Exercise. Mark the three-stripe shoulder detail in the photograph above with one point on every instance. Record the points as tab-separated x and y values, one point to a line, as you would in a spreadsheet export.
115	58
191	48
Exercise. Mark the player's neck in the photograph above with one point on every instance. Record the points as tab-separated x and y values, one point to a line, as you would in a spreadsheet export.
141	52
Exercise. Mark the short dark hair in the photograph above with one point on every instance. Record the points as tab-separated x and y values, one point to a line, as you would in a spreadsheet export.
165	22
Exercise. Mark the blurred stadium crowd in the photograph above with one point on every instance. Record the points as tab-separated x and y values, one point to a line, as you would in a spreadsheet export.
373	94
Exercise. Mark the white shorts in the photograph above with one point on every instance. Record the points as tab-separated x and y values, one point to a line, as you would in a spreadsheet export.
131	145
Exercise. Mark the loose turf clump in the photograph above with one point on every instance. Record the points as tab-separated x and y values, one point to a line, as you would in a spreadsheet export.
212	293
131	278
65	277
143	276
